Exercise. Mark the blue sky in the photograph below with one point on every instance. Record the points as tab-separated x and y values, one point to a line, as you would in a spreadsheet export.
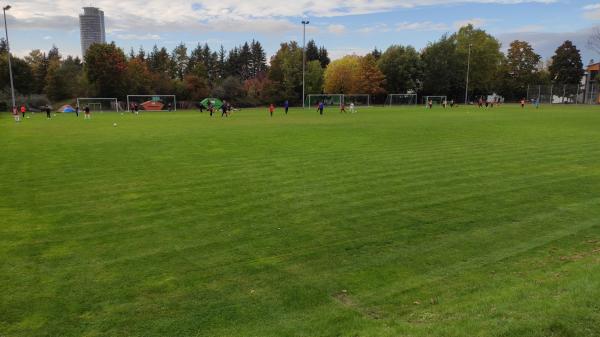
343	26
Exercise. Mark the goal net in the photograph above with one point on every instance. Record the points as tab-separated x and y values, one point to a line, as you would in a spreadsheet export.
328	100
401	99
98	104
436	100
152	102
359	100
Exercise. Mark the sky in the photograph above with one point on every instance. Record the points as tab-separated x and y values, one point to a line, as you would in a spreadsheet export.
342	26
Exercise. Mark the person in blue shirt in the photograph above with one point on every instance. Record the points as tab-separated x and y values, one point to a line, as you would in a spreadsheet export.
286	105
321	107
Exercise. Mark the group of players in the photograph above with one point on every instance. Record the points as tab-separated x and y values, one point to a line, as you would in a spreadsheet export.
226	108
19	112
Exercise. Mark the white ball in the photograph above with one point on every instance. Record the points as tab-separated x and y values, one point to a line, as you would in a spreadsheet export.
114	124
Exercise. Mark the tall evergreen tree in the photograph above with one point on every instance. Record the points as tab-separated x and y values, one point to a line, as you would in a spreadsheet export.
312	51
566	67
181	60
324	57
259	59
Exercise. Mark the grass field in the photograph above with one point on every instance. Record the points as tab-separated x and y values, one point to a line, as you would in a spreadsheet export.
390	222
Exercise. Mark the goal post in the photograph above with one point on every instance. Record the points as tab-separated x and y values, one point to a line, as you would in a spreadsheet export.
152	102
401	99
359	100
98	104
329	100
436	100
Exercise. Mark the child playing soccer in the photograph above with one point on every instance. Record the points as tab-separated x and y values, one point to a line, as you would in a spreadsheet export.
320	108
352	110
16	115
271	109
522	103
342	108
224	110
87	113
287	106
430	103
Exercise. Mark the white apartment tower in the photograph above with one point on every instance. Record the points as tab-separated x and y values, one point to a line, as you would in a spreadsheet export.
91	26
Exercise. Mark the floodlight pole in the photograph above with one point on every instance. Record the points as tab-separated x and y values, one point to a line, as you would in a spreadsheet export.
304	23
468	70
12	87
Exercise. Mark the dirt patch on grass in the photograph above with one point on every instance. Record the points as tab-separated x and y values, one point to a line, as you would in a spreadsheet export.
346	300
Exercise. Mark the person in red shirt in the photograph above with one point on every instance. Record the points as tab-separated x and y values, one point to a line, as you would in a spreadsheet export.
271	109
342	108
23	109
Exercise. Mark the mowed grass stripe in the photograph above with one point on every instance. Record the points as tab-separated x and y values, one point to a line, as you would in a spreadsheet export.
164	225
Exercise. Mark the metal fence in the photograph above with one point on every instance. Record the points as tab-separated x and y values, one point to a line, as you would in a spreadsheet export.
564	93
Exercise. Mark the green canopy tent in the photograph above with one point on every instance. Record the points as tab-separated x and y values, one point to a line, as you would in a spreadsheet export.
216	103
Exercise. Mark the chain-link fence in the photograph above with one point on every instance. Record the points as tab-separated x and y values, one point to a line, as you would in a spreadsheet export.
564	93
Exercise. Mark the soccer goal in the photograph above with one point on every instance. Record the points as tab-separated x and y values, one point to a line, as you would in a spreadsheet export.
152	102
329	100
98	104
401	99
436	100
359	100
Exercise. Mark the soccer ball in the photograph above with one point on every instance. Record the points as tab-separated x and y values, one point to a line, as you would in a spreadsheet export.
27	117
115	124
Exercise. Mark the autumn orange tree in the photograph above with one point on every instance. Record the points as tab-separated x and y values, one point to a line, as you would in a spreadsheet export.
354	75
342	76
371	79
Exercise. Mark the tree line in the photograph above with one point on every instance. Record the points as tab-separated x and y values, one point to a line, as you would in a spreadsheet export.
243	76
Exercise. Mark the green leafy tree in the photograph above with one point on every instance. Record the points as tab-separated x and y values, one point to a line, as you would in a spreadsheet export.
566	67
402	68
486	59
442	69
39	63
520	69
285	73
55	82
21	75
106	69
314	77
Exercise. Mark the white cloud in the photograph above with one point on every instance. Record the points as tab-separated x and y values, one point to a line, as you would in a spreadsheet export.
336	29
138	37
529	29
337	53
476	22
378	28
545	43
145	16
421	26
47	37
592	12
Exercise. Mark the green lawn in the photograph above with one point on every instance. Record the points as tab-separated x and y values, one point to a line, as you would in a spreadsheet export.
389	222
